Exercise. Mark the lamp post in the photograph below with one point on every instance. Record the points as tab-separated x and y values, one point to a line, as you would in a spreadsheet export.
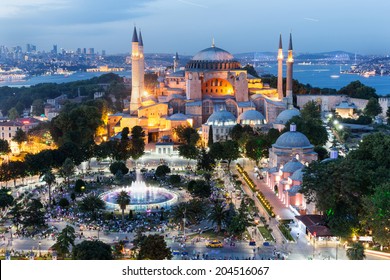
39	248
184	224
98	229
337	248
10	235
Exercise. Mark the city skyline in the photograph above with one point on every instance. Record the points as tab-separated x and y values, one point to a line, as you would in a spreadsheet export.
189	26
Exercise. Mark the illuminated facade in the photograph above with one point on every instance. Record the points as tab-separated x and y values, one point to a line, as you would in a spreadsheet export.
212	80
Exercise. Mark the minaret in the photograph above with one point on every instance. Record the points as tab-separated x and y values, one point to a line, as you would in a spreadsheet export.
141	64
280	69
135	74
289	75
176	62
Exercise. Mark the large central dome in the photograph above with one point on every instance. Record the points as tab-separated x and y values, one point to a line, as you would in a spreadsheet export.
213	59
213	54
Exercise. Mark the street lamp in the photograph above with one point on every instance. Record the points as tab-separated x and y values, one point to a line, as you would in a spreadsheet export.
98	229
337	247
39	248
10	233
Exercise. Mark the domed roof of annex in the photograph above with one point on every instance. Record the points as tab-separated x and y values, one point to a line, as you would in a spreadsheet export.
292	139
292	166
221	118
213	54
286	115
251	115
297	175
178	117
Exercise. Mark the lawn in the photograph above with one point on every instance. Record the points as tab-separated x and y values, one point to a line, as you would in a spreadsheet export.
266	233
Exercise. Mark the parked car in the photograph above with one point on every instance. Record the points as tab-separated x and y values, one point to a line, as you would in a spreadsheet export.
214	244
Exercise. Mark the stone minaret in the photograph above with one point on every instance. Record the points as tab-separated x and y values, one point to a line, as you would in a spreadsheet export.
289	75
176	62
141	64
135	74
280	69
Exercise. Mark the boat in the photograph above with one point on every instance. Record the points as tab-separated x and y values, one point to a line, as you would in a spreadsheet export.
368	74
335	76
305	63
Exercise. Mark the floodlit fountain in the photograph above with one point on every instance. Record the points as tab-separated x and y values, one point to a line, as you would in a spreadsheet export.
142	196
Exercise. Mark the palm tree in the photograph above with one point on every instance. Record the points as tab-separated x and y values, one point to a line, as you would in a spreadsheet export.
356	252
91	204
123	199
218	214
181	211
49	178
66	238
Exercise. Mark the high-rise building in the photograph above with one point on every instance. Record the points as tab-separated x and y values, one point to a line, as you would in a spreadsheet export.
54	50
91	51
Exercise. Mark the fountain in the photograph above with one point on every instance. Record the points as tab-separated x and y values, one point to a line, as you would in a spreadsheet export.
142	196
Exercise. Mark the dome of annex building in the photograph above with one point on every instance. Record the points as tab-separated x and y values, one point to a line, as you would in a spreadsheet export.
287	115
213	58
297	175
292	139
178	117
251	117
292	166
221	118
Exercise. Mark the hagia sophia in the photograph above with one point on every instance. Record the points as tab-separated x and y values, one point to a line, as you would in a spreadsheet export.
212	90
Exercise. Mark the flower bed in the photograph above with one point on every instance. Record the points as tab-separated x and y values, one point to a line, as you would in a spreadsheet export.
286	232
267	206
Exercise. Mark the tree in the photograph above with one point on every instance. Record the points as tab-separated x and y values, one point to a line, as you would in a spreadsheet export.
231	151
188	151
137	142
38	107
378	212
356	251
216	150
174	179
322	152
199	188
218	214
20	137
4	147
162	170
211	137
356	89
16	214
13	114
118	166
187	135
50	179
65	239
388	115
123	199
256	148
67	169
91	204
33	215
153	247
205	161
79	186
92	250
6	198
373	108
63	203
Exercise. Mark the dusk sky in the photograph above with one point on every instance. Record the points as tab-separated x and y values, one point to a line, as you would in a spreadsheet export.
188	26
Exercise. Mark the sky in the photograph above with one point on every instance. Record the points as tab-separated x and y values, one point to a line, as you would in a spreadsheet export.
188	26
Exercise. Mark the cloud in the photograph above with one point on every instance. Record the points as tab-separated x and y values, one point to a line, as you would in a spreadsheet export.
312	19
192	4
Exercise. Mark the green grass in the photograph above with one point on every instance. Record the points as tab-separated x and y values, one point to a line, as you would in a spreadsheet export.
266	233
286	232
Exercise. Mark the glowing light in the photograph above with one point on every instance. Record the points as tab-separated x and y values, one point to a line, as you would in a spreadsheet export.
340	126
146	93
335	122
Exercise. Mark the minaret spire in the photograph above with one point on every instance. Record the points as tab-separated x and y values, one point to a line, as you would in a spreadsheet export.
135	37
213	43
141	43
280	69
289	78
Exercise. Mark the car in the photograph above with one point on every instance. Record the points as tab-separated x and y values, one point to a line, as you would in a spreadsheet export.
214	244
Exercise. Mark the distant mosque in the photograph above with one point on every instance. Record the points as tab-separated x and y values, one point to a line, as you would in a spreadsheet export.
211	91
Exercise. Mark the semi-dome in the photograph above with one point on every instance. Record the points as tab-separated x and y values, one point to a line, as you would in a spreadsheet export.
221	118
213	58
251	117
297	175
213	54
292	139
178	117
287	115
292	166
